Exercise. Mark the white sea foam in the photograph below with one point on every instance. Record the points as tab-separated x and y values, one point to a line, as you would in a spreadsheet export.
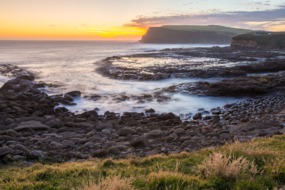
71	65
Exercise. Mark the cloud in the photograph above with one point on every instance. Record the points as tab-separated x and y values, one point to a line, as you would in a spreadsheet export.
238	18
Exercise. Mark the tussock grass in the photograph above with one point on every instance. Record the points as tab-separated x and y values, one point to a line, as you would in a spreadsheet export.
258	164
227	167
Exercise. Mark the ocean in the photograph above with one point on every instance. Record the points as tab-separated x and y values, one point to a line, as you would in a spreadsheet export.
71	66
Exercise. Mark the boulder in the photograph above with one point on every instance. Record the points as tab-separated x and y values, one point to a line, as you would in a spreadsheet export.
197	116
54	123
36	154
5	150
35	125
73	94
125	131
100	153
154	133
139	142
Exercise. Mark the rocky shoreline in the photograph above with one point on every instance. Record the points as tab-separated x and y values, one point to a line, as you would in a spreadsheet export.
32	129
204	63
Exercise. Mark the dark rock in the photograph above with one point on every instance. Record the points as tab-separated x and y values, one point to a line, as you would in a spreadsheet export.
100	153
216	111
5	150
36	154
16	158
27	77
125	131
68	144
12	133
139	142
55	123
114	150
197	116
55	145
73	94
106	131
35	125
179	131
149	110
154	133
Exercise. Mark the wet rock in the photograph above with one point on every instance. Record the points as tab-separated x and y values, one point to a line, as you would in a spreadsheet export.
34	125
12	133
68	144
73	94
27	77
36	154
55	145
16	158
114	150
125	131
5	150
100	153
179	131
216	111
149	110
154	133
139	142
85	125
106	131
197	116
54	123
102	126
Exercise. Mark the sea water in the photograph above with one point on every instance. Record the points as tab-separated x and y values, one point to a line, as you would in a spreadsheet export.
71	65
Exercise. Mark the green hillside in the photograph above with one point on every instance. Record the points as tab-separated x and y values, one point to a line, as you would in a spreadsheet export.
263	40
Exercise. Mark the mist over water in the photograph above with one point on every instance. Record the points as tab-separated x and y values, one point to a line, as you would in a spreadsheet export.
71	66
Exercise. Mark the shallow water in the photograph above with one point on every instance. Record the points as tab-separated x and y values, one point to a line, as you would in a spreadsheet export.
71	65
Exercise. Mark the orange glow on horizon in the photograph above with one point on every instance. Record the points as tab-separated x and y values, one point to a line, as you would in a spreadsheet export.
81	33
277	28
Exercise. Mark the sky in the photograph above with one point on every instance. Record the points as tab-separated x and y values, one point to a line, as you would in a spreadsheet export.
129	19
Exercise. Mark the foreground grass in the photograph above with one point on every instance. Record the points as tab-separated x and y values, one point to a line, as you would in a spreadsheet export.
259	164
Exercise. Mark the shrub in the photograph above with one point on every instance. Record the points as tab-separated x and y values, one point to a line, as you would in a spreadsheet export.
227	167
276	169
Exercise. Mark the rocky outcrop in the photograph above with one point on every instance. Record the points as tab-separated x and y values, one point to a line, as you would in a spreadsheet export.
257	61
240	86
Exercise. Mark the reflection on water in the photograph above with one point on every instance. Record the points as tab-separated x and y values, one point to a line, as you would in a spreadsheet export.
183	62
180	104
71	65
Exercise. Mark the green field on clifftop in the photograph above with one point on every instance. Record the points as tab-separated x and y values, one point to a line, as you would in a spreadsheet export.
213	28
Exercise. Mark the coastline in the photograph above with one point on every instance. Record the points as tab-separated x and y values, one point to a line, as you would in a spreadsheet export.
31	129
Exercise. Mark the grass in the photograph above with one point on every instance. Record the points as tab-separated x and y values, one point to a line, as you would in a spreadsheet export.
275	39
258	164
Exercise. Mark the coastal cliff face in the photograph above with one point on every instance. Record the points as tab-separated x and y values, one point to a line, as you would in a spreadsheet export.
267	40
191	35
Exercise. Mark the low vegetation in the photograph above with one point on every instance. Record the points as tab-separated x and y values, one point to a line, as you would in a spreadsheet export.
267	40
258	164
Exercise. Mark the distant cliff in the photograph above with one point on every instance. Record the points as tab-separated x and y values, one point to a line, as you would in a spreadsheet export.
269	40
191	34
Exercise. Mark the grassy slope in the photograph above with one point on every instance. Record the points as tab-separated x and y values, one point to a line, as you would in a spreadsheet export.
214	28
181	171
275	39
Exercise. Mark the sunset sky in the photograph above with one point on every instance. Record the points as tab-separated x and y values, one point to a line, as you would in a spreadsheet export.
129	19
